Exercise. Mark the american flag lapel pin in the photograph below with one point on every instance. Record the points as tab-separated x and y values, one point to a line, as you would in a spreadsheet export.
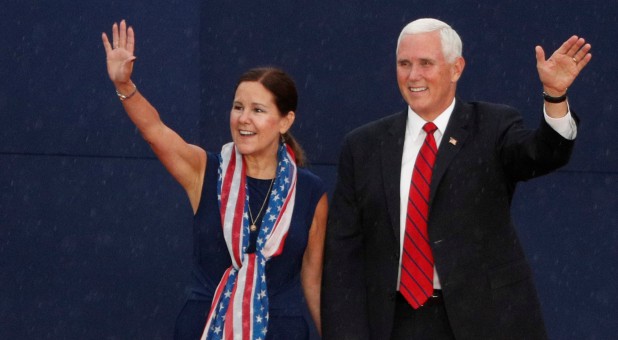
452	140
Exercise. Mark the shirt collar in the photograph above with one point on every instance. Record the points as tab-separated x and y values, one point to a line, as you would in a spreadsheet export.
415	123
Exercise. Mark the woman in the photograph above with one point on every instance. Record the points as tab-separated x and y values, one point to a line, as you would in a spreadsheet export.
259	220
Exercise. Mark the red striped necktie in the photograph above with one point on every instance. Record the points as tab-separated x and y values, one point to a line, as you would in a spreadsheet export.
417	260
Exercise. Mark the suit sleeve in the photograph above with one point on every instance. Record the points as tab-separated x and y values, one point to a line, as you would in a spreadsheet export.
528	153
344	310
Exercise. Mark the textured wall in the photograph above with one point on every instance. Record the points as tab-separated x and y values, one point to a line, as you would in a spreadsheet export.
95	236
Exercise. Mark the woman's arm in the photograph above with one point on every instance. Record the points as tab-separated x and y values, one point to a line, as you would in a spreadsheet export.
185	162
311	273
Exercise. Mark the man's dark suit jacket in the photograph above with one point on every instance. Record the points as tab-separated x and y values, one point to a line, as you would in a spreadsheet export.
486	281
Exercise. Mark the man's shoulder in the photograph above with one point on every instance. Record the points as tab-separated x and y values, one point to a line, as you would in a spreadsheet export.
482	113
378	126
483	107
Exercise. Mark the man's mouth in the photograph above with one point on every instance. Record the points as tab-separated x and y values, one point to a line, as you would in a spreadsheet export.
417	89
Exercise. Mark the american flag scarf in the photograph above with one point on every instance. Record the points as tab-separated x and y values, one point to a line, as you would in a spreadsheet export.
239	308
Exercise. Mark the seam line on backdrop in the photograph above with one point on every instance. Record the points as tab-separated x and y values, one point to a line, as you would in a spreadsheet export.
60	154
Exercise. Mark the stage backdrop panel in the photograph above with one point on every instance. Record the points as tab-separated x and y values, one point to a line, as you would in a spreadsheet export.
95	236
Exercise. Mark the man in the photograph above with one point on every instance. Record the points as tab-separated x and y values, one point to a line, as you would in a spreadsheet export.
420	242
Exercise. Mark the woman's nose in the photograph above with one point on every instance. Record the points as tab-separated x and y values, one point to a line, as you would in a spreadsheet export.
244	116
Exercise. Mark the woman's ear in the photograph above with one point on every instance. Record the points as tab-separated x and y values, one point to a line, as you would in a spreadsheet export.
286	122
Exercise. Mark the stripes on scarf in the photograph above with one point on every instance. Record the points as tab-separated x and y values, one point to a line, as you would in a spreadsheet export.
240	306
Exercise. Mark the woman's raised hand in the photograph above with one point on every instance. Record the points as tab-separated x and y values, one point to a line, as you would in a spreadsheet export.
119	53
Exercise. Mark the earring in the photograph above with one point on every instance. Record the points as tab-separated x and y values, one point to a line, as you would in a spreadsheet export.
282	138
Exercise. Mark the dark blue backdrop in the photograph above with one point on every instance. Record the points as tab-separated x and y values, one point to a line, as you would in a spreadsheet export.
95	236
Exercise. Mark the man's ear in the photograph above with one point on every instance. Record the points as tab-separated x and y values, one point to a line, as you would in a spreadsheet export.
457	69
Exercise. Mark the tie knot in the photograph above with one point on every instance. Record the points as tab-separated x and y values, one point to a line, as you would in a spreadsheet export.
430	128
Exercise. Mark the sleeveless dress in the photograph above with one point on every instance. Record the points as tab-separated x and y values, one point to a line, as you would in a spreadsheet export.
288	314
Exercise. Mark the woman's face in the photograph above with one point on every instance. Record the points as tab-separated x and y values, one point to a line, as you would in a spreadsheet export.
255	121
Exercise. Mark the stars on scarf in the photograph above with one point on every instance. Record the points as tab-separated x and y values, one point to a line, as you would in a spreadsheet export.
257	317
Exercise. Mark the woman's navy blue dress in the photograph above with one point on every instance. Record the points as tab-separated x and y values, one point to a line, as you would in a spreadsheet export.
288	315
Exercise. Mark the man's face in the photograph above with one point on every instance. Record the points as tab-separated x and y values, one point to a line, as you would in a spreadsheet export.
426	81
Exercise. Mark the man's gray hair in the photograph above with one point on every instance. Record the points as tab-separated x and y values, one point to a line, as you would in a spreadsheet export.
451	42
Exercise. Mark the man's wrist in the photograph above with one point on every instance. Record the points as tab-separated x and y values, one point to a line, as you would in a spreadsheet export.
554	99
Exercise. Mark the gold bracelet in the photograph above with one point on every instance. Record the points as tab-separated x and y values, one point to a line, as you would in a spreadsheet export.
122	97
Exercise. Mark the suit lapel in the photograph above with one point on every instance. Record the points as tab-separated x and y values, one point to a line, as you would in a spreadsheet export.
452	141
392	151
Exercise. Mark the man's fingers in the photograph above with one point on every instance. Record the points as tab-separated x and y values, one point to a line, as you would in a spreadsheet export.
540	54
584	62
575	46
582	52
568	45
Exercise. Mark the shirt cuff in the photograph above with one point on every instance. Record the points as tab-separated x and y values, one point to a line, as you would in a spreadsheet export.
565	126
